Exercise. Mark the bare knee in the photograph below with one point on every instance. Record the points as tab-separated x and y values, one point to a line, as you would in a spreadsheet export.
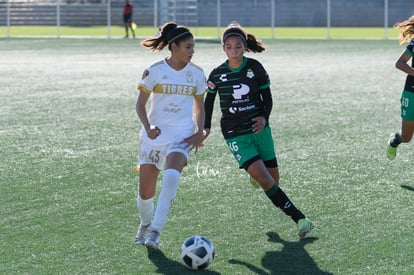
274	171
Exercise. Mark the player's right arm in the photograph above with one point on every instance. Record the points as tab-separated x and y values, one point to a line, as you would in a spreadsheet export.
208	108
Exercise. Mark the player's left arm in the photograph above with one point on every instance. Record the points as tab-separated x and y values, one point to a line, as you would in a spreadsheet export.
199	112
267	102
263	81
402	64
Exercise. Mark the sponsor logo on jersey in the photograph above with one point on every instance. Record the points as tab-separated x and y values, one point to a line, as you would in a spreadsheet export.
172	108
177	89
240	90
234	110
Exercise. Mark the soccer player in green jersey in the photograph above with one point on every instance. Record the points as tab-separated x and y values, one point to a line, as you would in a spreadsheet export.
243	86
407	98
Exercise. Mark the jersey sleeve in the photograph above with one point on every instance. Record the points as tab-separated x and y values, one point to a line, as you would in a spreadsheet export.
148	80
201	84
211	85
208	109
410	48
263	77
209	100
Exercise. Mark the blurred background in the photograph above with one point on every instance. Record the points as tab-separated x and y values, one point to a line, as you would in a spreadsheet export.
273	14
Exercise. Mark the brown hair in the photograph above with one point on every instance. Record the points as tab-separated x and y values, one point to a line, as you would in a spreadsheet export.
252	44
406	30
169	33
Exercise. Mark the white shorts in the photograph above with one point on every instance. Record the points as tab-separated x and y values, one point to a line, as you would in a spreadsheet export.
157	155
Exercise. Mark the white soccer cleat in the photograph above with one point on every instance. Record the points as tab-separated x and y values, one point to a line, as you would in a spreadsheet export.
142	234
153	240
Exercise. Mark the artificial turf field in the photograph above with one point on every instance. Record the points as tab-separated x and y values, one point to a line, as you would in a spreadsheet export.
69	140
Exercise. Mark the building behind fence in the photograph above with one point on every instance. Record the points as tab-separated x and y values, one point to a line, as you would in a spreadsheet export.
311	13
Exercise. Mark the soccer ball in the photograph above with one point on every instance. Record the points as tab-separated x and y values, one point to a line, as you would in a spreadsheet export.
197	252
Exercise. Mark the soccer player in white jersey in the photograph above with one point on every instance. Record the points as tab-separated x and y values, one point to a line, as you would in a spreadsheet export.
175	87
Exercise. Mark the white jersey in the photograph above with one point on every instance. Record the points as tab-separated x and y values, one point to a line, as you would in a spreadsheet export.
172	94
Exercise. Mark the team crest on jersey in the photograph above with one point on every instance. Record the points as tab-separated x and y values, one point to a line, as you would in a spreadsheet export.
145	74
250	73
189	76
211	85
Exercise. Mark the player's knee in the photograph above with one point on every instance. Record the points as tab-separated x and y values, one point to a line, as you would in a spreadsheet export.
276	178
266	182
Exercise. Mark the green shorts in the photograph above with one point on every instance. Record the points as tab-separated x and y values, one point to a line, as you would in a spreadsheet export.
253	146
407	106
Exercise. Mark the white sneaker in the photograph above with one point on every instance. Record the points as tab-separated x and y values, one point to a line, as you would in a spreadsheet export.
142	234
305	226
153	240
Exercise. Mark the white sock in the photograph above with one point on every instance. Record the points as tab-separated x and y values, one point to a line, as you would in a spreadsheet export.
145	209
166	198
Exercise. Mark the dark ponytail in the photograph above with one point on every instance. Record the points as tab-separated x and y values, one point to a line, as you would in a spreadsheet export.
169	33
254	45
